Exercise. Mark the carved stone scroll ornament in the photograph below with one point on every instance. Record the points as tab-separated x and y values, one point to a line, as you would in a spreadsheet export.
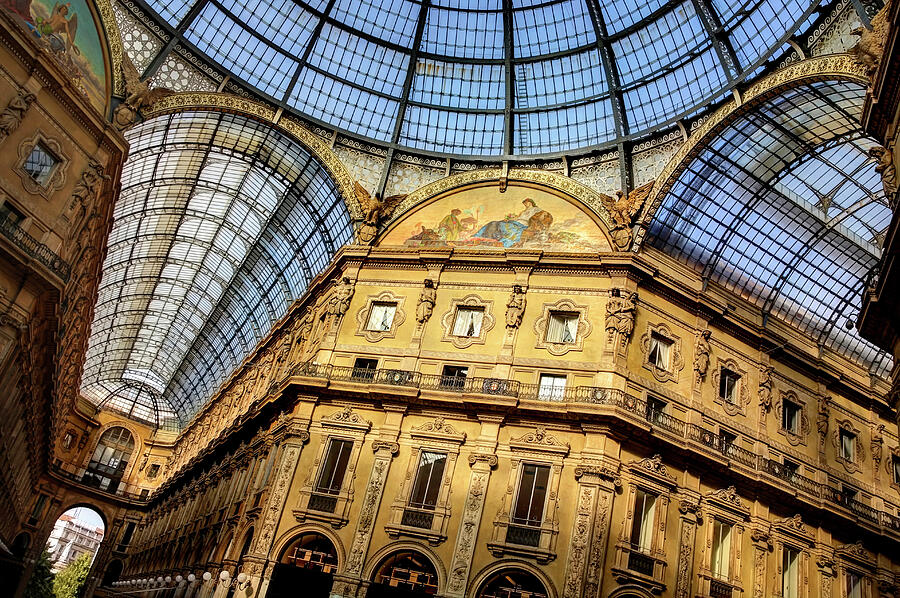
469	523
366	521
12	115
685	558
515	307
580	543
427	299
276	498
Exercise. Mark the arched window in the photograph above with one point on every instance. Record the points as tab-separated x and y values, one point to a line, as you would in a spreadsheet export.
110	459
309	562
405	573
512	583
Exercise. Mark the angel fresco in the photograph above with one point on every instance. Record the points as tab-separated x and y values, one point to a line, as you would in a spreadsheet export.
62	23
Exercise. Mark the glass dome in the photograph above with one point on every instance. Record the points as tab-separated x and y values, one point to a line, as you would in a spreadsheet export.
488	77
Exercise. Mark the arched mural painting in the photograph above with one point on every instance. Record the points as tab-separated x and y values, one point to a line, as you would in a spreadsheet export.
70	32
521	217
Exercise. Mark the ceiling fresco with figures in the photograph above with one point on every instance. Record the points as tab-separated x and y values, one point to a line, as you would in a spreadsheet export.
483	217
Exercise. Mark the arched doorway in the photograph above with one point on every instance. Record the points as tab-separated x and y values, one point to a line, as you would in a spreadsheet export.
309	562
404	574
76	536
512	583
110	459
113	572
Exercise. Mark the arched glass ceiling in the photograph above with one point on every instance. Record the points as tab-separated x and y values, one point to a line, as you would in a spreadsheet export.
488	77
221	222
785	208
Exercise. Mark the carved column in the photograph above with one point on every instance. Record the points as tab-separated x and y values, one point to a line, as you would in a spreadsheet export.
590	533
759	536
470	522
384	454
271	515
689	510
825	564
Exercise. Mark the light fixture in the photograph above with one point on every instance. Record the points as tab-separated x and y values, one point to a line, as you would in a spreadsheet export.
224	576
168	579
192	578
179	579
207	576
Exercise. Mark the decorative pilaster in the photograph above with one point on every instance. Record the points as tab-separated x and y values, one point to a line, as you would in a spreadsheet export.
471	520
759	536
384	454
825	564
584	567
278	494
689	510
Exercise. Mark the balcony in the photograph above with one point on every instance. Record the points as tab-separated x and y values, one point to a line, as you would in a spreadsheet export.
634	564
523	535
419	518
91	481
720	589
35	249
657	419
324	503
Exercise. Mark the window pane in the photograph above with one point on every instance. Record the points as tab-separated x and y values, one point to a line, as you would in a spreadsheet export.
468	321
790	570
427	484
381	317
562	327
721	549
642	525
529	507
552	387
847	445
332	475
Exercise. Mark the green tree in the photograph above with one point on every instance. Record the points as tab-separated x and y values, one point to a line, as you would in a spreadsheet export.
70	581
41	583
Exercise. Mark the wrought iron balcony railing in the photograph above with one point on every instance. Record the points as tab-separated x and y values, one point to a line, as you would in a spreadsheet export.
603	396
35	249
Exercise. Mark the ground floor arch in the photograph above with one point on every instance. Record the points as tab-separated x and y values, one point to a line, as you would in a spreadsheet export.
404	573
309	561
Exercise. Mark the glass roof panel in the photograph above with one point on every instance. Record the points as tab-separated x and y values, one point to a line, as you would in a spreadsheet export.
228	225
354	66
782	208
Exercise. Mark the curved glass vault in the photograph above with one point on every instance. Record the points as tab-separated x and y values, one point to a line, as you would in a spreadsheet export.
221	222
488	77
784	207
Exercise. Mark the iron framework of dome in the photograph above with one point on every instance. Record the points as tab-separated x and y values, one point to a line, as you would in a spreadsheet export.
487	77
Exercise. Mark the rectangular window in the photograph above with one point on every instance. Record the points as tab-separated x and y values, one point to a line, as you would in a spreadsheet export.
381	316
39	164
790	419
11	214
660	348
728	381
529	505
562	327
334	465
642	525
790	468
854	585
848	445
721	549
655	407
848	494
468	321
895	462
454	376
552	387
427	484
364	368
790	572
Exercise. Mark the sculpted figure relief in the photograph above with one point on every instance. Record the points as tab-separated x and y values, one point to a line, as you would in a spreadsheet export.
822	418
622	211
885	167
701	355
84	194
12	115
340	300
877	444
140	94
427	299
620	313
870	47
765	388
374	210
515	307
